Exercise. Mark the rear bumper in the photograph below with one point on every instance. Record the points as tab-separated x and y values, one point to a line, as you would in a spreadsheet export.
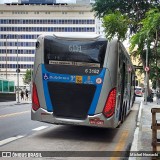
97	120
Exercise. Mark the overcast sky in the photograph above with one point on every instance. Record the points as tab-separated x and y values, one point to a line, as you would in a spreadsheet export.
59	1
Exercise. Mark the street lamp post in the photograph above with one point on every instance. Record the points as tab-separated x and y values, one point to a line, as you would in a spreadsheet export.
17	70
31	83
6	56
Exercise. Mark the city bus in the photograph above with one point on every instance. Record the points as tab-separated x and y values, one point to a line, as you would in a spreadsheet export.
82	80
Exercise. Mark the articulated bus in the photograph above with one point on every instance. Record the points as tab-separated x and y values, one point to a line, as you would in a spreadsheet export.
82	80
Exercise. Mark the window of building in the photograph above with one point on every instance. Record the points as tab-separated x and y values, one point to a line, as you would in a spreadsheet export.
64	12
70	21
81	12
49	21
47	12
44	21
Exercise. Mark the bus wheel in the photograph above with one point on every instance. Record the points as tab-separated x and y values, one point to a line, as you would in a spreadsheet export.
121	115
124	112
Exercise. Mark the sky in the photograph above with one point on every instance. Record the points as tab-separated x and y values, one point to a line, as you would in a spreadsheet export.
10	1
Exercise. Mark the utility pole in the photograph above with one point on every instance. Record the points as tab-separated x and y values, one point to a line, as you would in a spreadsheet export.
17	70
6	57
31	83
146	77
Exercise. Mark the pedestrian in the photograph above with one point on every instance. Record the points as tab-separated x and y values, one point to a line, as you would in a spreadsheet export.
22	95
26	93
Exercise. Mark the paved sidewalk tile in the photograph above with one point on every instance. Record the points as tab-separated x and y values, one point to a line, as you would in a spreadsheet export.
145	131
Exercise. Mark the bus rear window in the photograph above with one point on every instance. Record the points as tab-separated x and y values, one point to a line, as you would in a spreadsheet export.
74	52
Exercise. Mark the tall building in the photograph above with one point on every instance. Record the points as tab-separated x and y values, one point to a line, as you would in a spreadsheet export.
85	1
56	1
21	24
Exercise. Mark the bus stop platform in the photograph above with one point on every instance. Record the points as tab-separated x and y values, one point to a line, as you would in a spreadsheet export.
142	142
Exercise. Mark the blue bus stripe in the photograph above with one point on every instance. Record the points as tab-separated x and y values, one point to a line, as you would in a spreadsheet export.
96	95
46	93
54	77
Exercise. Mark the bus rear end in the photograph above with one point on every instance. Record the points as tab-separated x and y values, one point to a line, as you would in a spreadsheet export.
69	79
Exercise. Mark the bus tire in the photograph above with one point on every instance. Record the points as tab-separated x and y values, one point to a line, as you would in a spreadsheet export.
121	114
124	113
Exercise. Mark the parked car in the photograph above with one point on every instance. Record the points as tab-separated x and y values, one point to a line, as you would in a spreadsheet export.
138	91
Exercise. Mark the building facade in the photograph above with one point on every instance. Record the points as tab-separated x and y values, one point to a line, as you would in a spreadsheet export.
20	25
56	1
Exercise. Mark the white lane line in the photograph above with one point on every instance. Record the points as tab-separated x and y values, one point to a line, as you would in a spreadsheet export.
13	114
8	140
39	128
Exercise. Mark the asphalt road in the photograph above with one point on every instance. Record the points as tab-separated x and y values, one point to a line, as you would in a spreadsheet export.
16	120
19	133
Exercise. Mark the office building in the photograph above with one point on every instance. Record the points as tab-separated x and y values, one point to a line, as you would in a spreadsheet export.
21	24
56	1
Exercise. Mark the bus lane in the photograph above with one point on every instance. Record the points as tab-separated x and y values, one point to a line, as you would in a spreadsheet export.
79	141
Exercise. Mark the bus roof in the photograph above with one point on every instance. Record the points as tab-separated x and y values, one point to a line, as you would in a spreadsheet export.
91	36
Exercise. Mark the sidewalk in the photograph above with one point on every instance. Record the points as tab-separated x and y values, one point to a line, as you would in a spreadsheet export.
144	132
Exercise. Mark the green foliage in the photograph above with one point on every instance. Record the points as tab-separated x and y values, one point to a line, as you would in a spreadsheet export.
142	17
27	77
149	35
115	24
146	36
154	75
134	9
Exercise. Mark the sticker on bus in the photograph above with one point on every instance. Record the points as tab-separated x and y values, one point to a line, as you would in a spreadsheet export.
74	63
78	79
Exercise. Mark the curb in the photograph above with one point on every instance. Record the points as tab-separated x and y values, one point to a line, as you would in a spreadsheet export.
139	114
134	146
22	103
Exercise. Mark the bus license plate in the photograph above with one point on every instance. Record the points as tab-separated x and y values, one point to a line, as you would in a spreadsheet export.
78	79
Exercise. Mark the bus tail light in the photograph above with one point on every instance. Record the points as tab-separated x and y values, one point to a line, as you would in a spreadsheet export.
35	100
109	107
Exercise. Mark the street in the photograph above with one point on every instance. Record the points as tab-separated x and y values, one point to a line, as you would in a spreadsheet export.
15	120
19	133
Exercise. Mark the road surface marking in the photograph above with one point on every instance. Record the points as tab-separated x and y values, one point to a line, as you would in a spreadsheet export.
39	128
8	140
121	144
13	114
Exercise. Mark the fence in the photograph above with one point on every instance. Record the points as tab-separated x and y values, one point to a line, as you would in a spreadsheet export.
155	127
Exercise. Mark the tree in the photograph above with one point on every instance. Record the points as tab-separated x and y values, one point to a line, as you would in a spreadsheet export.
27	77
134	9
149	36
144	23
115	24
